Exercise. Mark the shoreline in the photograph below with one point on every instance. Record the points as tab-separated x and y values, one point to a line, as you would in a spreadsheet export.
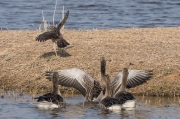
24	60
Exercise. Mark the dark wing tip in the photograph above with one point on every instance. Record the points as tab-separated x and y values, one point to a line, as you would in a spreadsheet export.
67	12
63	21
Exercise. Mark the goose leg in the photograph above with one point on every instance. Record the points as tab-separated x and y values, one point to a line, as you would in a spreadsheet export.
84	102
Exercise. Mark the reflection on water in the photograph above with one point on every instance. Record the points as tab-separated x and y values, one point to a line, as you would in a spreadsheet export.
147	107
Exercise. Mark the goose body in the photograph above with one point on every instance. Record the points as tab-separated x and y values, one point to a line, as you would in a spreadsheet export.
54	34
91	88
51	100
126	99
110	104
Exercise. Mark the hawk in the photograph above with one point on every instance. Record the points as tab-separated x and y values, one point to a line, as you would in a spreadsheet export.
54	34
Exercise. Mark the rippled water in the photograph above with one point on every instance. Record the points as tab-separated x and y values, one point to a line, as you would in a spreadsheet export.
147	108
89	14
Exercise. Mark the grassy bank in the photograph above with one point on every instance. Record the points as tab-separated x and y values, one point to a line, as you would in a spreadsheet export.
24	61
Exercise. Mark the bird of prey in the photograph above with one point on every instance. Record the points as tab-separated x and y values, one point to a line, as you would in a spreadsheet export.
54	34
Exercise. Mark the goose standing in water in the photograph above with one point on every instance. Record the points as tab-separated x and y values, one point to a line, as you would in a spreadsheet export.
51	100
55	35
91	88
126	99
107	101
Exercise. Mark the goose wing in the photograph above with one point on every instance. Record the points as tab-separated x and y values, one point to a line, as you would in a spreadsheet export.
63	21
75	78
135	78
46	36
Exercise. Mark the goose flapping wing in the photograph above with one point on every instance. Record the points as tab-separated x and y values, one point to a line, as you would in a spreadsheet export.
135	78
75	78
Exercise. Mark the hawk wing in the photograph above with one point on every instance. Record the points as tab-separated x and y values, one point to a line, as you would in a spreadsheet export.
46	36
63	21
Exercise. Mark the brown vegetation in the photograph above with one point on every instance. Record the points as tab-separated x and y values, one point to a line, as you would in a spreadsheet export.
23	60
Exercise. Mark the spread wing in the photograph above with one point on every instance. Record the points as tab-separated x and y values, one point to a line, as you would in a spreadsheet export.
46	35
135	78
75	78
63	21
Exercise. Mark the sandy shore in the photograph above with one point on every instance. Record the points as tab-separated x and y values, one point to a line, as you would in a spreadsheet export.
24	61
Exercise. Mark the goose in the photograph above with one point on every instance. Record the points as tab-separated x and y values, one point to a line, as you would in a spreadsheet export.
108	102
54	34
91	88
126	99
51	100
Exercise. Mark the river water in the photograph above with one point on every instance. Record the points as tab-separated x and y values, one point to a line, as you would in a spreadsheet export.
147	108
90	14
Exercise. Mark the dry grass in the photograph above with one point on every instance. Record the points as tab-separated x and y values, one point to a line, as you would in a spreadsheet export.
24	61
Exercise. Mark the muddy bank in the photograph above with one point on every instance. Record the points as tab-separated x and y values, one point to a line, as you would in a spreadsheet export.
24	61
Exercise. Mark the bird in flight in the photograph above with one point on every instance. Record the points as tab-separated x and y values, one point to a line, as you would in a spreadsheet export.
54	34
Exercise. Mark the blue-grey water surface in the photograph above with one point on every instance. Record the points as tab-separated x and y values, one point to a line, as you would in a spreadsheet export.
89	14
146	108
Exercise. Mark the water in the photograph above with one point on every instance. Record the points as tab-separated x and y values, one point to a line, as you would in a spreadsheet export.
89	14
147	108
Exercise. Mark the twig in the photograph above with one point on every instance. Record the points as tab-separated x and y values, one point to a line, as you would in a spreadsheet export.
54	12
62	17
43	16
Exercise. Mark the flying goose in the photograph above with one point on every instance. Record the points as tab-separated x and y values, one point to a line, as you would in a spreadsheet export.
126	99
108	102
54	34
51	100
91	88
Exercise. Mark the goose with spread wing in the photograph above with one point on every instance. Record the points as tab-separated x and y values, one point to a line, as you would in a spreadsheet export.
108	102
91	88
54	34
126	99
51	100
135	78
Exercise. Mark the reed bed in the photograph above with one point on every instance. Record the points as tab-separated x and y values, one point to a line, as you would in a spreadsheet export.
24	61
